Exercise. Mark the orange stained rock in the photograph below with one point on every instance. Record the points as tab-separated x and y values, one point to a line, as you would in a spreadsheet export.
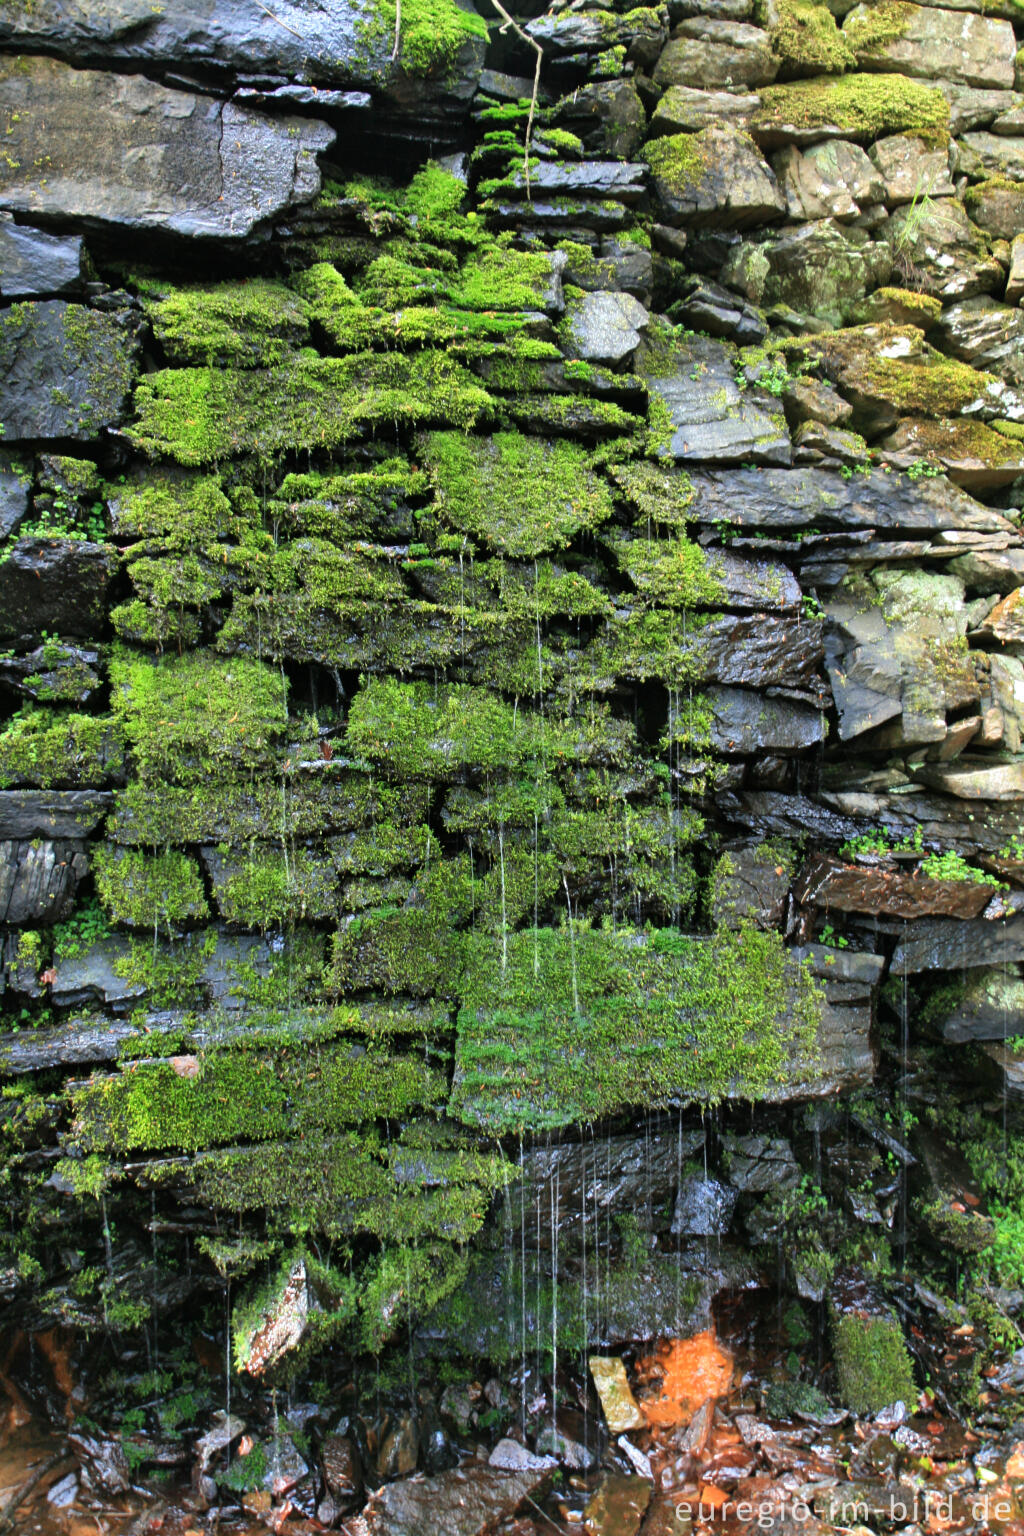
691	1371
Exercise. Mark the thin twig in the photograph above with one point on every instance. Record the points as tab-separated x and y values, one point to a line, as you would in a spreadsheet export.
545	1516
280	22
525	37
398	30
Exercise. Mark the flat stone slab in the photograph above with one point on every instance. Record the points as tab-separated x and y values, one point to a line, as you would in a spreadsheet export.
828	883
65	371
605	327
712	418
743	720
800	498
122	150
55	584
52	813
945	944
33	263
467	1501
938	44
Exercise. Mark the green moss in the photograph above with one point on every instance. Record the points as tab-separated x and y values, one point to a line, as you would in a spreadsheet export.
657	494
807	41
431	36
226	1096
912	308
197	416
151	891
864	106
501	277
679	160
522	495
434	195
188	716
882	23
921	383
51	749
873	1366
673	573
244	324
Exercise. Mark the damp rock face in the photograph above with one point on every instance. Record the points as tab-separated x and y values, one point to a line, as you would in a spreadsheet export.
498	642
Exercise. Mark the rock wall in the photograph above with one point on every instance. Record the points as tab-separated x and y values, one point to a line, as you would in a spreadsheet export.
496	649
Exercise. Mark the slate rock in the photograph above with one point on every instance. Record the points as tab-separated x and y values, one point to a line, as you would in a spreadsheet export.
605	327
703	1208
55	584
38	880
123	150
753	585
761	651
57	673
713	419
971	454
819	269
757	1164
14	492
970	108
717	177
983	570
608	114
942	251
687	109
946	944
34	264
65	371
714	54
343	1472
906	164
938	44
886	892
91	978
751	884
981	777
708	307
991	1003
49	813
462	1502
805	498
642	32
985	334
623	180
510	1456
324	42
835	180
996	207
743	721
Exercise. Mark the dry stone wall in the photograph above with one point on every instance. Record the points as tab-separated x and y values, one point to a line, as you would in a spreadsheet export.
492	648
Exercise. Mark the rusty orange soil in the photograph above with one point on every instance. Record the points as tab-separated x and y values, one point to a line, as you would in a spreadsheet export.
691	1371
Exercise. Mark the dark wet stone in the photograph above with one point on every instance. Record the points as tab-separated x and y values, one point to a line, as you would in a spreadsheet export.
713	419
34	264
878	891
725	182
805	498
756	1164
761	651
221	169
104	1464
819	269
55	584
608	114
605	327
987	335
708	307
642	32
76	1043
703	1208
944	944
14	491
561	1443
92	978
53	672
623	180
750	884
343	1473
38	880
65	371
52	813
399	1449
617	1505
437	1453
466	1501
756	584
989	1007
743	721
840	964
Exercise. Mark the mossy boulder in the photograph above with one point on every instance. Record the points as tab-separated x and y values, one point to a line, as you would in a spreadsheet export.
66	370
860	106
819	269
717	176
949	45
972	454
873	1366
805	38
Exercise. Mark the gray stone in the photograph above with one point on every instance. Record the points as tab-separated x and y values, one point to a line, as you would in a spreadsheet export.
65	371
990	570
911	169
38	880
970	108
814	443
27	813
976	778
760	586
747	722
510	1456
609	114
989	1008
34	264
318	41
123	150
708	307
947	944
54	584
940	250
687	109
716	55
79	1042
56	673
642	33
987	335
972	455
464	1502
816	498
605	327
751	884
819	269
937	45
761	651
757	1164
991	154
713	419
14	489
85	980
996	207
716	177
703	1208
834	180
620	179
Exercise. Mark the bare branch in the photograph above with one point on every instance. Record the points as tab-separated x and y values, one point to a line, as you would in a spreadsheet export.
525	37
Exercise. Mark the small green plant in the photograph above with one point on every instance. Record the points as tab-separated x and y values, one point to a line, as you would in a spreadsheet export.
882	843
953	866
1013	848
924	469
811	607
834	940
